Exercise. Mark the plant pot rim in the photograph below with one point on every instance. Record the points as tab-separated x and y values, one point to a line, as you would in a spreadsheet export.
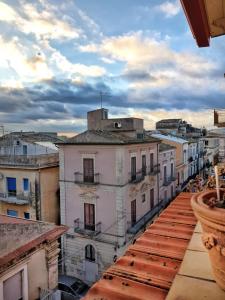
214	214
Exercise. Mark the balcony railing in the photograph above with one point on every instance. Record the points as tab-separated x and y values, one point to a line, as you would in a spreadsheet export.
87	229
154	170
81	179
133	229
168	180
17	198
138	176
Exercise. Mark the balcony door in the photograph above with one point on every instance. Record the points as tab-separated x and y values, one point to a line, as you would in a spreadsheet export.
165	174
88	168
143	165
133	168
89	216
133	212
11	186
151	199
151	163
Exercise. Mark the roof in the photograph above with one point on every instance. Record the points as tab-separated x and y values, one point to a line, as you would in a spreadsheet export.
29	137
19	236
147	270
165	147
169	138
106	138
48	145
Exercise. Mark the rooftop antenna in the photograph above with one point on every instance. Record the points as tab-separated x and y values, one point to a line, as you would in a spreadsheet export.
101	96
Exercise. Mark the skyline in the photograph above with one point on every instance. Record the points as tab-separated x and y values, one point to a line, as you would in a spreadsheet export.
56	59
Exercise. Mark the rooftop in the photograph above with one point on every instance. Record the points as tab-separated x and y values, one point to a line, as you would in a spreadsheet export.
165	147
19	236
107	138
169	138
149	266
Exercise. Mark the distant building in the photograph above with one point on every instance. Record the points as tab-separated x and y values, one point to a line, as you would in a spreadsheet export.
29	174
212	147
108	191
181	146
167	182
28	258
178	127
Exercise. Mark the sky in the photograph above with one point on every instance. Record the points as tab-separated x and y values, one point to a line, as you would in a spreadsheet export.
56	57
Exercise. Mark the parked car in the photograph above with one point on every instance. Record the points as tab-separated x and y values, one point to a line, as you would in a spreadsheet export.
72	288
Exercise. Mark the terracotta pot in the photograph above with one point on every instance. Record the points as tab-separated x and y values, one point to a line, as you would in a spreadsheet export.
213	226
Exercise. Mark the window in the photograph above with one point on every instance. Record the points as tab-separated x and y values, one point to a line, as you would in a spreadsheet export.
133	168
13	287
89	216
11	186
206	143
171	170
26	215
25	184
151	163
88	166
165	174
143	198
133	212
171	192
24	149
151	198
90	253
12	213
143	165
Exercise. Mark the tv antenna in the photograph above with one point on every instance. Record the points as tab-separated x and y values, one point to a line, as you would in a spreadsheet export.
102	95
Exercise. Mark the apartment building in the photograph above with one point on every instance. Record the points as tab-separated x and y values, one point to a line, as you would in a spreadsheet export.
212	146
181	146
167	180
29	175
28	258
108	191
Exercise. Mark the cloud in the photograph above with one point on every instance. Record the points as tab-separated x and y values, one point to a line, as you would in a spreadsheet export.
14	55
42	22
169	8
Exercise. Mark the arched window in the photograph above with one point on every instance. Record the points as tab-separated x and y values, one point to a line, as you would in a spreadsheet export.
90	253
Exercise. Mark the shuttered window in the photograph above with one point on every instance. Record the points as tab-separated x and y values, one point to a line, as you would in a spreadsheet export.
88	166
11	186
133	168
89	216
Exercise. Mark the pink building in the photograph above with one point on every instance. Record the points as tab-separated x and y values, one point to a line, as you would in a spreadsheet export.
109	191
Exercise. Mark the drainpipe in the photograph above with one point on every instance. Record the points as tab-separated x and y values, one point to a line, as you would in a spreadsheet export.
158	175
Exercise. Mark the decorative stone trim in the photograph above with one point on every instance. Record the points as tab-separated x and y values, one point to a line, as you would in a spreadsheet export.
210	241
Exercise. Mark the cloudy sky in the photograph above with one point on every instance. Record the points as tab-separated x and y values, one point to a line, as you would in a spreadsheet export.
56	57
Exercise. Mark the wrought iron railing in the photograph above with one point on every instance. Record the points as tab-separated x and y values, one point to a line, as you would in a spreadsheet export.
168	180
137	177
87	229
7	197
153	170
81	178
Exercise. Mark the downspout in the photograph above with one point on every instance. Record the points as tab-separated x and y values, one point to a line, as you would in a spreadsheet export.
158	175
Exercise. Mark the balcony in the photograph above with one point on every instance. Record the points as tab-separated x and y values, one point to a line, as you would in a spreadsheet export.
167	181
133	229
14	198
84	229
138	176
30	160
81	179
154	170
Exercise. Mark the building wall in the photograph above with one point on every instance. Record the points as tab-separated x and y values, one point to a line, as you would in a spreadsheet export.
166	158
43	199
37	273
49	190
112	198
19	174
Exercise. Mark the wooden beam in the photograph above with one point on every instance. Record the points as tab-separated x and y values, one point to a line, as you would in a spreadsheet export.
195	12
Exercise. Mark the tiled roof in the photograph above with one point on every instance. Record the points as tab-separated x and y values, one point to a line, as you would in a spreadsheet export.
147	269
168	137
106	137
19	236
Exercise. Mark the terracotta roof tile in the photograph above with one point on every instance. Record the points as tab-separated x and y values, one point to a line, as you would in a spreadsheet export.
148	268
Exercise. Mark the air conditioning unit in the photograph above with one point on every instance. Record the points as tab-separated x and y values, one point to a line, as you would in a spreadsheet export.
117	125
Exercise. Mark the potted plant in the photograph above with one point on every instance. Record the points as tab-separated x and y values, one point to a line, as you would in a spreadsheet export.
209	208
